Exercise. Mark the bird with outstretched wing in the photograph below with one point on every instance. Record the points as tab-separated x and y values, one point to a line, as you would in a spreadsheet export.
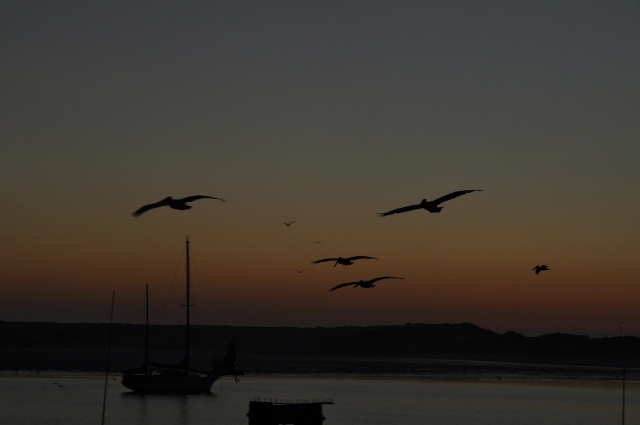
347	261
431	206
364	283
176	204
541	268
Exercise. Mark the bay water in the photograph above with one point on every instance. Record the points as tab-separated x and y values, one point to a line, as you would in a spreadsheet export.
68	399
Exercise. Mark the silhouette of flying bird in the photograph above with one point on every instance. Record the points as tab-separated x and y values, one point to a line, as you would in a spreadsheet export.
344	261
431	206
364	283
299	271
541	268
289	223
176	204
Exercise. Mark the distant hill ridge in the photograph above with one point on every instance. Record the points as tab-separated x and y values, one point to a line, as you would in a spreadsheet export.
24	345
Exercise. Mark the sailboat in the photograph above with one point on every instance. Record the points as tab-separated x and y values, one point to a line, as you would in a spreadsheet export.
169	379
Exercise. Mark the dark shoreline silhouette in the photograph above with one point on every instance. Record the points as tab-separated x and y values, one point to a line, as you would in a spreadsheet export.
410	349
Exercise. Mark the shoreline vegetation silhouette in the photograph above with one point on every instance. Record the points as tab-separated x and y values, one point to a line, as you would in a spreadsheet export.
414	349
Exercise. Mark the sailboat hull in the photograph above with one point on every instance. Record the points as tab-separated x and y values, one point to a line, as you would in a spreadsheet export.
168	382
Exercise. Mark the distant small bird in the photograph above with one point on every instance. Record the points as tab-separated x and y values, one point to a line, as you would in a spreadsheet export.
289	223
541	268
299	271
60	386
176	204
344	261
364	283
431	206
317	241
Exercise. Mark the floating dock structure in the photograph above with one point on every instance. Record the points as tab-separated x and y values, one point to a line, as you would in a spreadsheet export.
295	412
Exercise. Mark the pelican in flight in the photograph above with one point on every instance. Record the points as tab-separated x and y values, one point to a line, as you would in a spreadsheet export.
344	261
289	223
364	283
176	204
431	206
541	268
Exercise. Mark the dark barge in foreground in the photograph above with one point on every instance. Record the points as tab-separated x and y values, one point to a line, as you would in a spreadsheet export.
298	413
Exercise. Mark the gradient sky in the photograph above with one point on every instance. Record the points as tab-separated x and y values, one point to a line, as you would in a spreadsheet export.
324	112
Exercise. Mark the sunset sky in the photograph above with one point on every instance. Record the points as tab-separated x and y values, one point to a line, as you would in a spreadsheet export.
324	112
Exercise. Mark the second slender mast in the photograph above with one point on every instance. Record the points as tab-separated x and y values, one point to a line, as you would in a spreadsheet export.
186	356
146	331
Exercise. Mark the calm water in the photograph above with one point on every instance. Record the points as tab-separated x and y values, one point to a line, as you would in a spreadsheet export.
370	401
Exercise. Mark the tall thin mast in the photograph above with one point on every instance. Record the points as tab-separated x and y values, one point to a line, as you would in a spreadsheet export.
623	382
146	330
106	376
186	356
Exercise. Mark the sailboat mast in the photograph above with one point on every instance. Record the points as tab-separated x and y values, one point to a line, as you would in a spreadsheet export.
188	302
146	330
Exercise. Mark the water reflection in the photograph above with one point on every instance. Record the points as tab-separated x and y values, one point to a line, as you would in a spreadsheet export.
162	408
358	401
